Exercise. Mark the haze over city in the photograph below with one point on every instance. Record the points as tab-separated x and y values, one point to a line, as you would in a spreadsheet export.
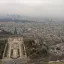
33	8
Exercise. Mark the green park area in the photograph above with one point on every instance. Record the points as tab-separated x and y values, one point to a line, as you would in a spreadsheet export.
57	63
2	46
0	62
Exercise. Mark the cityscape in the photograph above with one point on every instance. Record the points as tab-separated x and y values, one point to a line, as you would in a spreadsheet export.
31	31
41	40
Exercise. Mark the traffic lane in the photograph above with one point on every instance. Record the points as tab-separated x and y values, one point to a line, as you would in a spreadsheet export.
7	62
16	61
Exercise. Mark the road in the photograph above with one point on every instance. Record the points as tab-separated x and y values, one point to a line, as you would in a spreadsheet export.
15	61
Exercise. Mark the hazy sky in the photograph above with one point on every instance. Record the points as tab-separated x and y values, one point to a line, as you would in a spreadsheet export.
36	8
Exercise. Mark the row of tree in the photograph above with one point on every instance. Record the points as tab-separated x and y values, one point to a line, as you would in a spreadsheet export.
34	50
2	46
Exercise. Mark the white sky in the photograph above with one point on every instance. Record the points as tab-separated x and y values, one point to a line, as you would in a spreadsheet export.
33	7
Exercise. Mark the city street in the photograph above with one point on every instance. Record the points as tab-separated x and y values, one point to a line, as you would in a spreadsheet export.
14	61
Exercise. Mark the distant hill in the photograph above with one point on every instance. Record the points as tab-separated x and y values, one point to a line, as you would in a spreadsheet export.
14	18
20	18
11	20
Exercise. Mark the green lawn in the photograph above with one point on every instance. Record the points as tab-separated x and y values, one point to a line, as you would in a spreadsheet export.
0	62
57	63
